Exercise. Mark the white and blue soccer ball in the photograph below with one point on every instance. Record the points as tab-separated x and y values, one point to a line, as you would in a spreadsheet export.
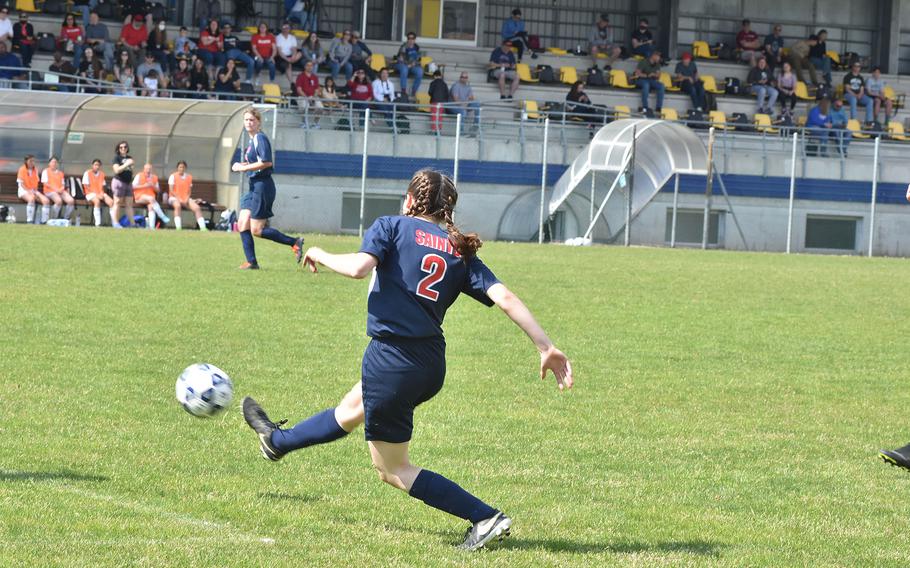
204	390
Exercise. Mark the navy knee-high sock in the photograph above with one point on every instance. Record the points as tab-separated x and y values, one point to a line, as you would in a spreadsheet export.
249	249
446	495
277	236
317	429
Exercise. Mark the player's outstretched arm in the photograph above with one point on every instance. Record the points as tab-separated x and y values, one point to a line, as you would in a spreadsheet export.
551	358
354	265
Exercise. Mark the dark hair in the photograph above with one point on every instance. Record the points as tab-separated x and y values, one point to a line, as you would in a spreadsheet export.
575	86
326	82
52	158
67	16
409	34
27	158
821	31
183	29
605	17
876	68
516	12
747	21
96	160
208	28
435	196
94	12
643	21
117	146
384	69
182	162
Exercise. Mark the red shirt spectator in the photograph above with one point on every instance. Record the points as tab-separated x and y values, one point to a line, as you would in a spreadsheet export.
263	44
132	35
308	85
360	91
70	31
212	32
746	39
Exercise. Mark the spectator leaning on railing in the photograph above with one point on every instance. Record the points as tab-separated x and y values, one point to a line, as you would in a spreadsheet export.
14	71
513	30
98	38
761	80
502	65
232	51
603	41
24	39
264	50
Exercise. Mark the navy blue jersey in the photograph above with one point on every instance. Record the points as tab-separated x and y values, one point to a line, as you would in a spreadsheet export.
418	277
259	150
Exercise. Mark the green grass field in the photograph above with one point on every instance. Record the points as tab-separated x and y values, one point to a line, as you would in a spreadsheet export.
727	410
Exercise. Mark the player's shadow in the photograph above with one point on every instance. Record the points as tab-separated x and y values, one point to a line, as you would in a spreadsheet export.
62	475
694	547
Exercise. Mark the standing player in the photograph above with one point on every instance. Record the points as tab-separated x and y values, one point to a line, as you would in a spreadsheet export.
55	189
145	192
93	188
179	187
256	204
27	180
420	269
122	183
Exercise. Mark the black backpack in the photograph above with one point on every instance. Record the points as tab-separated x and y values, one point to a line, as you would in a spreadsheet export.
726	52
47	42
823	91
545	74
596	78
695	118
731	86
741	122
158	11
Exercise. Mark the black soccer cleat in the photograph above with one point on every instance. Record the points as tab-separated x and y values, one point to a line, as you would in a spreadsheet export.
899	457
298	250
259	421
482	532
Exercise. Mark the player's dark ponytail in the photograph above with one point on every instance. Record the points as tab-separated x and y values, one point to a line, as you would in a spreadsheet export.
435	196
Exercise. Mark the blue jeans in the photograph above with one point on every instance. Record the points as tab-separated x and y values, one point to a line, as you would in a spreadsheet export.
270	63
821	136
696	91
842	136
823	64
78	49
335	67
85	10
210	58
236	54
644	50
404	71
762	91
472	106
866	101
646	85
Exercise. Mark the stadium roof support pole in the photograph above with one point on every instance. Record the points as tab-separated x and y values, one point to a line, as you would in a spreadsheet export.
363	169
543	177
792	190
603	203
878	139
593	186
675	209
706	223
457	145
627	239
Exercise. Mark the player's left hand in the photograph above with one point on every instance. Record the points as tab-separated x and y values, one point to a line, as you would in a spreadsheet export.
555	360
310	259
237	166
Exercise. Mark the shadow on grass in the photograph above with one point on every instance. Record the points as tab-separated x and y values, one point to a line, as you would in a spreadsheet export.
64	475
276	496
695	547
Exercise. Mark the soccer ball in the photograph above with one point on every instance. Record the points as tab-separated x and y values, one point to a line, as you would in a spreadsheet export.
204	390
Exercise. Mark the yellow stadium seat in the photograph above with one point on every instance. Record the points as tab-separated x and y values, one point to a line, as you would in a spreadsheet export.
637	57
425	60
763	124
668	83
619	79
854	127
834	57
423	100
839	91
524	73
801	120
272	92
532	111
557	51
896	98
802	92
622	111
719	120
701	50
26	6
300	34
377	62
785	51
710	84
568	75
668	113
896	131
251	29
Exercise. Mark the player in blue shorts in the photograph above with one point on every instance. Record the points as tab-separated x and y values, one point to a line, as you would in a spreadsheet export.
420	270
256	204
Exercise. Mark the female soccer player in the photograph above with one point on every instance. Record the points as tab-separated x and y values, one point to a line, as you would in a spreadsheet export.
55	189
256	204
122	184
179	188
420	269
145	192
27	180
93	188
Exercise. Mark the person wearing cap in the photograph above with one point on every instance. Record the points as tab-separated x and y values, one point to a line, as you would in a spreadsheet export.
133	38
647	78
602	41
24	38
502	65
642	40
686	76
6	26
232	51
748	43
513	30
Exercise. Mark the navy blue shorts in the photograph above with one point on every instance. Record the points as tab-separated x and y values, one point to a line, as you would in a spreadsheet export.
398	374
259	198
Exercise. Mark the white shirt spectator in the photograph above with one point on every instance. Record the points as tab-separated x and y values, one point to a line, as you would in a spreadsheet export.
286	44
6	29
383	91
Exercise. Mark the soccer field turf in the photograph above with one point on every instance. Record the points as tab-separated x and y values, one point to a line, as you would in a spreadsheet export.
727	409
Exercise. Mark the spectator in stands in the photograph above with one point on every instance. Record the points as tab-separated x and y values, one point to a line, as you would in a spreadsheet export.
211	46
328	95
264	49
98	38
158	46
151	66
151	83
312	51
462	93
686	76
183	46
819	125
54	188
361	56
199	79
773	47
122	183
513	30
838	117
232	51
27	181
799	59
145	192
64	71
6	26
123	61
602	41
133	38
179	191
72	38
24	39
642	40
875	88
647	77
127	79
383	95
578	103
855	92
818	55
408	64
206	11
439	95
748	43
227	81
93	188
84	7
761	80
180	78
14	71
91	69
360	92
339	55
786	86
502	64
288	54
305	88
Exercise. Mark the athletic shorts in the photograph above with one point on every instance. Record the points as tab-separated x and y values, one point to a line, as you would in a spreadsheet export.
23	192
259	198
121	189
398	374
91	196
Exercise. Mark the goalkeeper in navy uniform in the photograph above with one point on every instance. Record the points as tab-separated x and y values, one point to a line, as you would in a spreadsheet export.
420	270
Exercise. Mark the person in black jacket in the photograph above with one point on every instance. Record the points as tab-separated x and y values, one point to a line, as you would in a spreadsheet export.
24	39
439	95
578	103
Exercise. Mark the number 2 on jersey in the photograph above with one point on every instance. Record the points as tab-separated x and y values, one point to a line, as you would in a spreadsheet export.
435	267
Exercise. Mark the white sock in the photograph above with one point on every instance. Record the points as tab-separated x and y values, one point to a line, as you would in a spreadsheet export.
113	216
68	212
96	213
158	210
45	213
30	213
201	222
56	212
178	222
151	220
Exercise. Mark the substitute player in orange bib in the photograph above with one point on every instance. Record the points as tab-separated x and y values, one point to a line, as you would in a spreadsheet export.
145	192
54	188
93	187
27	181
179	189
